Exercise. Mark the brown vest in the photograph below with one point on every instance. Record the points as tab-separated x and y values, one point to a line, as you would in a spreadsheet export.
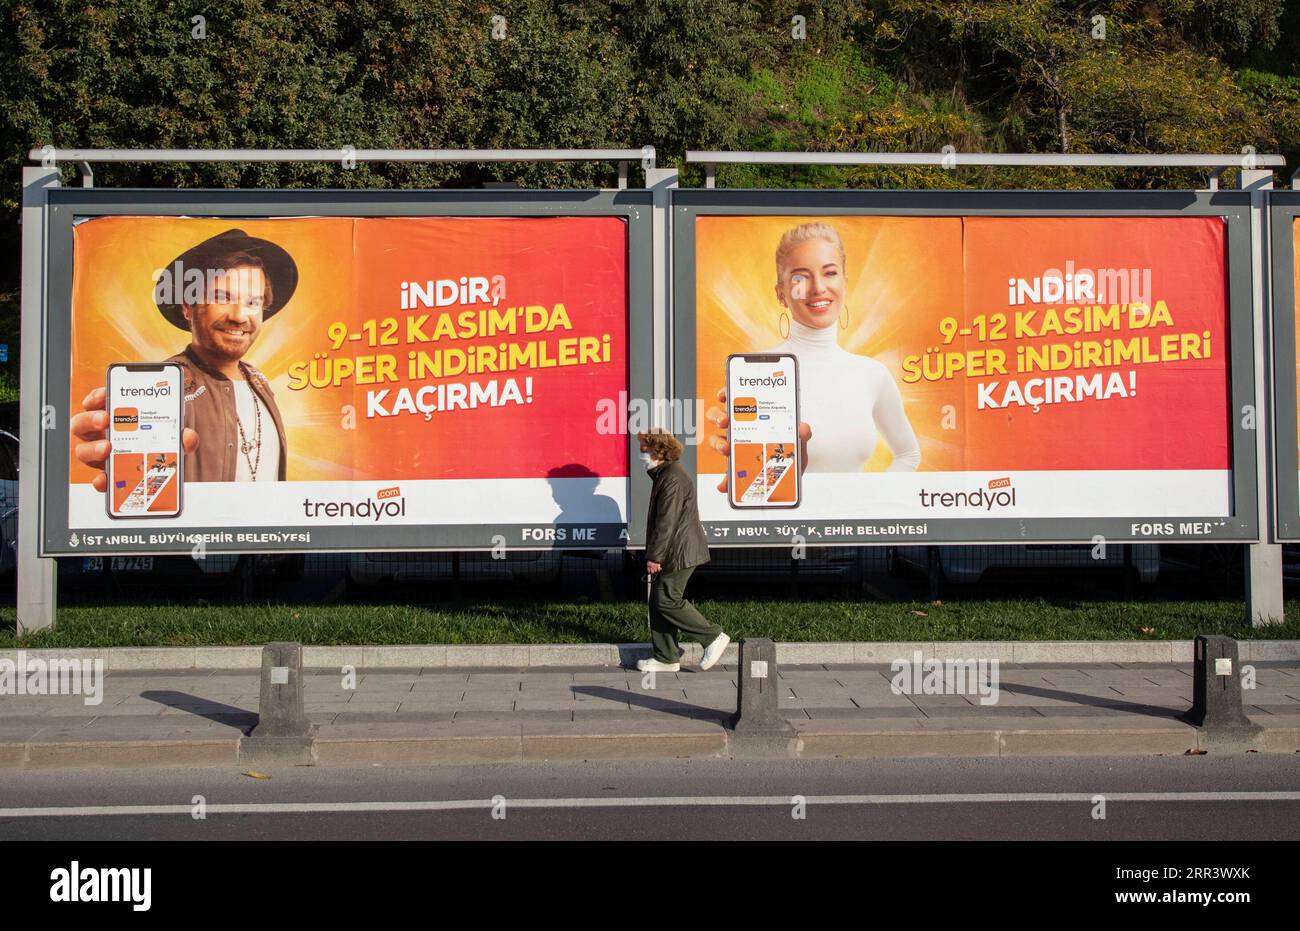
210	412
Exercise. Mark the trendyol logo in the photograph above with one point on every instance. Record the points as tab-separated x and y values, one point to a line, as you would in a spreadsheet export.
160	390
387	502
126	418
776	380
998	493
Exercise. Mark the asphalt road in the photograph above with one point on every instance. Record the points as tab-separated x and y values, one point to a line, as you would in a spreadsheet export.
1156	798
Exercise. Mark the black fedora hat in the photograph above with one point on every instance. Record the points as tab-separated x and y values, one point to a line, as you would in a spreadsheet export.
279	266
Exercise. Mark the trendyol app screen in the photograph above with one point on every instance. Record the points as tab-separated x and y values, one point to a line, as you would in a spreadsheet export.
761	392
144	412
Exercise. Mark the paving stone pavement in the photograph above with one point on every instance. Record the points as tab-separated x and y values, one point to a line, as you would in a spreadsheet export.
225	701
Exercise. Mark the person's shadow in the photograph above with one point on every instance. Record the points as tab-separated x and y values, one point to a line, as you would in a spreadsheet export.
573	487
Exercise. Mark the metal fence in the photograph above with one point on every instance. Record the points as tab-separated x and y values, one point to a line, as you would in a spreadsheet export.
1210	572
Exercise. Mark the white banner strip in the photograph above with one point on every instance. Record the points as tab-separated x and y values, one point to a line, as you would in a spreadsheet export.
926	495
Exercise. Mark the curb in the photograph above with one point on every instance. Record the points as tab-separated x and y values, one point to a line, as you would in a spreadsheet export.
519	745
116	754
134	659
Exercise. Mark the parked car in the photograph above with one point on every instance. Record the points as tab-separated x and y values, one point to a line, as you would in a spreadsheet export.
237	575
8	502
369	569
774	564
241	572
968	564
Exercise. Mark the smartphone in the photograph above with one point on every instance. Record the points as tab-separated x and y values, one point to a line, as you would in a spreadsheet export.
763	430
145	404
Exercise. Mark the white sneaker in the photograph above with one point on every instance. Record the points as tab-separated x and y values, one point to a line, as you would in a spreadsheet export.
713	652
653	665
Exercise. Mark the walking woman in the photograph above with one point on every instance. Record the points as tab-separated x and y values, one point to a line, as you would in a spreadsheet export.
675	545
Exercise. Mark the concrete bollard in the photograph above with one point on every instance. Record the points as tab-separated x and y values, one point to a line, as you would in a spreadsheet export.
282	733
757	727
1216	692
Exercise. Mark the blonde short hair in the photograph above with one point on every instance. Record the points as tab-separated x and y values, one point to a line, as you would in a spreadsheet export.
806	232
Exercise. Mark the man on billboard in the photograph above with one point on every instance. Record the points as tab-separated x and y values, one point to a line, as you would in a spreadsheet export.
233	430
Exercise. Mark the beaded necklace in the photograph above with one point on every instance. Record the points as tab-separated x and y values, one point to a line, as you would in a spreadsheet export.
245	446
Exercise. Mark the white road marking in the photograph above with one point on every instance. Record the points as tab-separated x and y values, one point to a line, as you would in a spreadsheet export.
668	801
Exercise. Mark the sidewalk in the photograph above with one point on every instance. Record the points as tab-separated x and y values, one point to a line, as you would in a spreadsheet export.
430	715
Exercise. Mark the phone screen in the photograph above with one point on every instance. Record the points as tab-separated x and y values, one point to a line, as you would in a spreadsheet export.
144	467
763	423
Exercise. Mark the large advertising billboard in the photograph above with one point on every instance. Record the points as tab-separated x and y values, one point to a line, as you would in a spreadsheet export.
346	382
964	377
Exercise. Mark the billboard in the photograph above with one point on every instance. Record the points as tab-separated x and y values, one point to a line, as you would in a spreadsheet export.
350	381
1284	208
963	376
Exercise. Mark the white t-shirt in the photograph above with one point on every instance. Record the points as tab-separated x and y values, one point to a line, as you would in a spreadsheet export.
268	467
845	399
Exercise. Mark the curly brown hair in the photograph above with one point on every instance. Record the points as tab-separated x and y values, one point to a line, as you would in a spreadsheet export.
661	444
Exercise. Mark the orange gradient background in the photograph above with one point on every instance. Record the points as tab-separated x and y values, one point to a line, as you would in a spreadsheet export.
905	274
350	270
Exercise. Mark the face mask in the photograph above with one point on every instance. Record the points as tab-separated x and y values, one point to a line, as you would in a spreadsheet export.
649	461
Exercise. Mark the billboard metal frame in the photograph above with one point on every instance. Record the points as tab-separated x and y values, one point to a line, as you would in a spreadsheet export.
1284	212
952	159
1233	206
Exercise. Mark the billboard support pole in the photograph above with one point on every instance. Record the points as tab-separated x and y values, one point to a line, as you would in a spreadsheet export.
37	577
1263	559
661	181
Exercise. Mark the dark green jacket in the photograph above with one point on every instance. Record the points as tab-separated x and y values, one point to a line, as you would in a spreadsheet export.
674	536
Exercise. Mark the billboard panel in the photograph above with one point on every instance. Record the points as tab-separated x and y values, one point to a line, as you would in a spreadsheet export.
965	376
353	381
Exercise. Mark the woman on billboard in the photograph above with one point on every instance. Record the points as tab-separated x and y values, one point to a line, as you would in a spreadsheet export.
847	401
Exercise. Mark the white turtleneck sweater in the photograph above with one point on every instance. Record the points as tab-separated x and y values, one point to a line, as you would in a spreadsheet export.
846	398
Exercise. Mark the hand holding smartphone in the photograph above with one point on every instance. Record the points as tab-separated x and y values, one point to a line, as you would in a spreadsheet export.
765	452
145	462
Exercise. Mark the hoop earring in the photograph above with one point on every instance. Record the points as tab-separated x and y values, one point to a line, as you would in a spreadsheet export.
784	326
844	322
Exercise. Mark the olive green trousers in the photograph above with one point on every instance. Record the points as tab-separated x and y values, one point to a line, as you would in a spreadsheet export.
670	613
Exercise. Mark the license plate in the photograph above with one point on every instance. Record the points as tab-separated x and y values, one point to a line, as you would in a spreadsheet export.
132	563
92	564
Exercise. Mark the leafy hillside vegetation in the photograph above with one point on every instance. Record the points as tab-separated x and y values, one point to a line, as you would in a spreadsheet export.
843	75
